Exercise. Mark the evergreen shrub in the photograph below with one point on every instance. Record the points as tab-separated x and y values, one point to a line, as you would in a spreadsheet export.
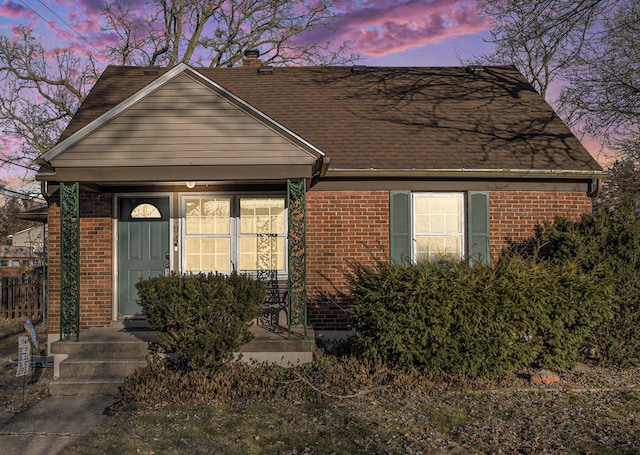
455	319
201	319
610	244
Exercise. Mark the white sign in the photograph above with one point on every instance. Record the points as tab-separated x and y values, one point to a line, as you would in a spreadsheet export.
24	356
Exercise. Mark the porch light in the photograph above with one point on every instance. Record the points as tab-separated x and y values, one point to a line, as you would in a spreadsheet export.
190	185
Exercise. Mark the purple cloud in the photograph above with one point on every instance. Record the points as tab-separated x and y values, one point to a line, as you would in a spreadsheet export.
381	27
15	10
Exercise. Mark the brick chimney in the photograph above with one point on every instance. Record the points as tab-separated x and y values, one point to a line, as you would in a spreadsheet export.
251	59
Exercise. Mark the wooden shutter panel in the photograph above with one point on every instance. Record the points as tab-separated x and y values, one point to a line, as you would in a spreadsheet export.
478	216
400	235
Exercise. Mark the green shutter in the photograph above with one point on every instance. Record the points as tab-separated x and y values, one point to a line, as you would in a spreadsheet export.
478	213
400	235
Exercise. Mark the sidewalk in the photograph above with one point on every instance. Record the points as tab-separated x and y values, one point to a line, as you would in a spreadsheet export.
52	424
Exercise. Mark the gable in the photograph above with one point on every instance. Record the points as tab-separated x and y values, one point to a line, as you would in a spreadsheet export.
184	129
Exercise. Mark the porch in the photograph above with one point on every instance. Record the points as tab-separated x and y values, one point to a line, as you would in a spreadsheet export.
100	360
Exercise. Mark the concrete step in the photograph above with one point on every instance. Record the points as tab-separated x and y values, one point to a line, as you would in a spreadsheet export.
101	349
85	386
74	367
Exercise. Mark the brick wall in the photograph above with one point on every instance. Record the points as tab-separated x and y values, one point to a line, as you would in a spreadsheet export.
96	264
515	214
342	226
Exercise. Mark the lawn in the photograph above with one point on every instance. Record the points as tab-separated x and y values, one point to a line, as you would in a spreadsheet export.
580	416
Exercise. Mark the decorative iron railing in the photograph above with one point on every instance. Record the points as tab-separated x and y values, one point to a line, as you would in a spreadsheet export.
297	291
70	260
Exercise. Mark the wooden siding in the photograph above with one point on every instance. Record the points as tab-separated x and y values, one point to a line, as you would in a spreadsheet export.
183	123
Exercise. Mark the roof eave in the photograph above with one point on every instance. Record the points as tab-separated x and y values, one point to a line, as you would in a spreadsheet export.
467	173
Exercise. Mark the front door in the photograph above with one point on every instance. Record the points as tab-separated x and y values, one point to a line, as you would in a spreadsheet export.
143	246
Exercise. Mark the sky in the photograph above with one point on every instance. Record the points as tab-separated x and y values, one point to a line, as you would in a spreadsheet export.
383	32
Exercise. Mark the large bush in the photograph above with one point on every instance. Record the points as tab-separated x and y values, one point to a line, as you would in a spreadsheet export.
201	319
477	321
609	243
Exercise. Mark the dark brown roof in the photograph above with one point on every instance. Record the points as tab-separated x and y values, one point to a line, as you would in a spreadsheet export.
391	118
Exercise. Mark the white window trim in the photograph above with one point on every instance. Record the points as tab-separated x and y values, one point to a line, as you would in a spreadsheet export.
463	221
234	227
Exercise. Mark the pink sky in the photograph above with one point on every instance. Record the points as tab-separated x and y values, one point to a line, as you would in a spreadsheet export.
383	32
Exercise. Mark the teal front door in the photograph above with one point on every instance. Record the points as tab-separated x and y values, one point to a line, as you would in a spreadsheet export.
143	246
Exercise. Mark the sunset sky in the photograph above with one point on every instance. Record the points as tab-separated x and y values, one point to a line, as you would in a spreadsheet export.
383	32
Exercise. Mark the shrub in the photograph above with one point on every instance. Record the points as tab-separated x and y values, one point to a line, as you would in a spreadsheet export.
478	321
609	244
327	376
201	319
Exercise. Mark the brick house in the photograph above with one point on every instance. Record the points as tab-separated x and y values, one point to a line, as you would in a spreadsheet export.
195	170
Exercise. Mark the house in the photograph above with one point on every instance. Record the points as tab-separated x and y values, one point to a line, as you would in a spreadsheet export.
290	173
16	260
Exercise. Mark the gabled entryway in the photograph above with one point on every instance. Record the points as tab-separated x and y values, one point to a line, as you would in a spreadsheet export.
182	138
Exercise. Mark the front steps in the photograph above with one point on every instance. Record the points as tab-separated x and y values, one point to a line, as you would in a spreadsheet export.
99	362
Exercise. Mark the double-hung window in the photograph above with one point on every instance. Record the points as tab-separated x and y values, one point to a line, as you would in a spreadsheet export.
438	225
226	233
427	226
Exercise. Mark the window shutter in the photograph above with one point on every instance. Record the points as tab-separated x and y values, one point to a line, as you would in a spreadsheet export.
400	235
478	208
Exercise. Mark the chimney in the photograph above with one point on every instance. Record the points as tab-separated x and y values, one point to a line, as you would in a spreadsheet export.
251	59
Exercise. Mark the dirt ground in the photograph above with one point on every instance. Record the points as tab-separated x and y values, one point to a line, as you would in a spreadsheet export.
19	392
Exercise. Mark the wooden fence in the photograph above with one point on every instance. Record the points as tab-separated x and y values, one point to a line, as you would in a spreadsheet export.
22	297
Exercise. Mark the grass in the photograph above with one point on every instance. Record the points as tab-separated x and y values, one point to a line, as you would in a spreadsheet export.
442	422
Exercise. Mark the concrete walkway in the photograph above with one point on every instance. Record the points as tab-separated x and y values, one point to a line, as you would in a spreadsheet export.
52	424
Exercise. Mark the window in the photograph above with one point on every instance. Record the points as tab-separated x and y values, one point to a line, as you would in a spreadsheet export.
208	234
425	226
222	234
437	226
262	234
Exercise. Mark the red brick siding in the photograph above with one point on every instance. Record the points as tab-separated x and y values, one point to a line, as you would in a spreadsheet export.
96	263
513	215
342	226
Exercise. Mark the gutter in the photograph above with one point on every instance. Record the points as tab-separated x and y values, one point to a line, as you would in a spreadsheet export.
466	173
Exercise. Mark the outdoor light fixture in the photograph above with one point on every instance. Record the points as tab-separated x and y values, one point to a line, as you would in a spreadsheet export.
190	184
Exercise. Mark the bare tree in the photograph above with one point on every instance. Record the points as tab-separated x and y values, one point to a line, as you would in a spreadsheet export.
603	90
216	32
41	91
43	87
542	38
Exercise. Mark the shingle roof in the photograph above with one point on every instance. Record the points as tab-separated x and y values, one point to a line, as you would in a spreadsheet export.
387	118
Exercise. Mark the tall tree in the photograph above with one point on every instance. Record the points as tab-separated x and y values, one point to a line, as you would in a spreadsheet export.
603	90
217	32
43	87
543	38
10	207
41	90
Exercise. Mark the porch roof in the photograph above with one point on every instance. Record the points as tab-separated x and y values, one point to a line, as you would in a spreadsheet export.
449	122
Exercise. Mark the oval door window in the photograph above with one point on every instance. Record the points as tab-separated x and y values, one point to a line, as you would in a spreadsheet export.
145	210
